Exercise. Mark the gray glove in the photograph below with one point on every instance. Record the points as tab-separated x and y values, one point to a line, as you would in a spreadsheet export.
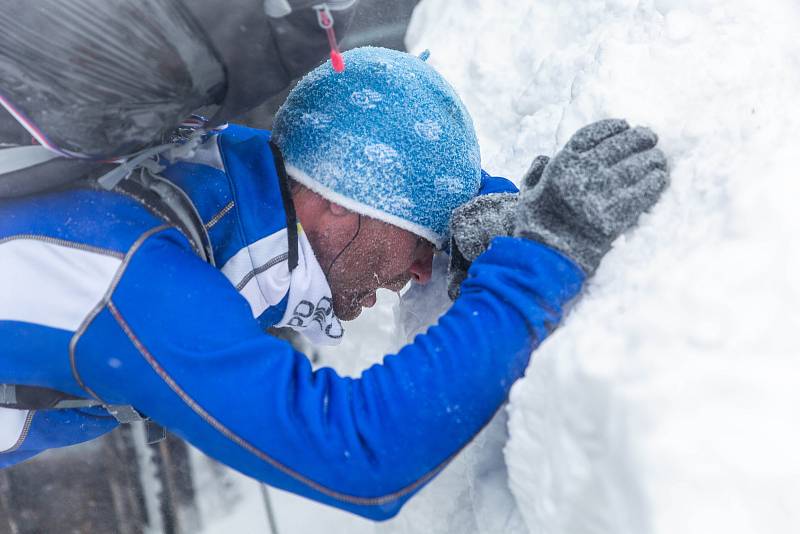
472	226
592	191
475	223
534	173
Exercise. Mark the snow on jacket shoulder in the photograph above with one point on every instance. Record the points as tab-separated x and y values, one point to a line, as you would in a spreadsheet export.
124	310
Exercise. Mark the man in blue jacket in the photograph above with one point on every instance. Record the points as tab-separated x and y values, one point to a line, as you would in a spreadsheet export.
106	297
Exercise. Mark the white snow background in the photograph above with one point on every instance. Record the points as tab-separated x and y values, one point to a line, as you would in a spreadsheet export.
667	402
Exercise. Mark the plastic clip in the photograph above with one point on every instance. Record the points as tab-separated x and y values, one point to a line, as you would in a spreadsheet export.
325	20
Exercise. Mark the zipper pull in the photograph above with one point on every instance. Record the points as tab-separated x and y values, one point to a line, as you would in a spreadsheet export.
325	20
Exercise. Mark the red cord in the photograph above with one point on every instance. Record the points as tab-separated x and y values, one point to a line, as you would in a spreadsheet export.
325	20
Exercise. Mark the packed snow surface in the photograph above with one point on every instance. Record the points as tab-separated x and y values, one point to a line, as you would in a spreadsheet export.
667	401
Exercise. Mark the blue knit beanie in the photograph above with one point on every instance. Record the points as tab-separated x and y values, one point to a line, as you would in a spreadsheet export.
387	138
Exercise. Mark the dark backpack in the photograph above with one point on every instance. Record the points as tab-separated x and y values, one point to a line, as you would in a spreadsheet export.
103	79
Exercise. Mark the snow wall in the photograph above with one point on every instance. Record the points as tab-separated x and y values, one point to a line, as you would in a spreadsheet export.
666	403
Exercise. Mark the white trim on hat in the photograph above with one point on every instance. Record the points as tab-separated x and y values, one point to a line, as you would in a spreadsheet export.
364	209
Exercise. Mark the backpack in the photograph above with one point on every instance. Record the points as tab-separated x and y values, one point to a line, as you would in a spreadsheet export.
102	79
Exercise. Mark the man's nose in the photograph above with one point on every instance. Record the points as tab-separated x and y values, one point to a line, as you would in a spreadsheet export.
422	269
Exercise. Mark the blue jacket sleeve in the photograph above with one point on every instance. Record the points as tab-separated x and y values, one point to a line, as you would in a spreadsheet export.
178	342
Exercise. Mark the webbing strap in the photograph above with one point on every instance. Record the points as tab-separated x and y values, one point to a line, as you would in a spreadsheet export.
113	177
19	397
168	202
21	157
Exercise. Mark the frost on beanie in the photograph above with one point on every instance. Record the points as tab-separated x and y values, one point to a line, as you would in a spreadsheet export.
387	138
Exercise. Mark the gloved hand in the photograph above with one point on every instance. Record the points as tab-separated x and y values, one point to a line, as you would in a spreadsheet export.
472	226
592	191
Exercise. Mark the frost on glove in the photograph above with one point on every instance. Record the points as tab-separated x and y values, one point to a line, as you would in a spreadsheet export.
472	227
592	191
476	223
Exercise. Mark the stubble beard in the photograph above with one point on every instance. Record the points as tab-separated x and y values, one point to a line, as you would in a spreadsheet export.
348	306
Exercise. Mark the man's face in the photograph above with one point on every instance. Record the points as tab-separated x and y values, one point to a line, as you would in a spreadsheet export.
361	255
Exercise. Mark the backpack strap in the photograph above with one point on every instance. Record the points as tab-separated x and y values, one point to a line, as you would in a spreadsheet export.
171	204
19	397
36	398
21	157
25	170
